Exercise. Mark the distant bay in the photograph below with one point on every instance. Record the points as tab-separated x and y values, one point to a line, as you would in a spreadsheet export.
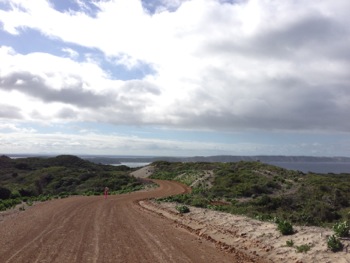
132	164
304	164
315	167
305	167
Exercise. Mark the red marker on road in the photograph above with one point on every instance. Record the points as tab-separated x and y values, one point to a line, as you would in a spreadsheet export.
106	192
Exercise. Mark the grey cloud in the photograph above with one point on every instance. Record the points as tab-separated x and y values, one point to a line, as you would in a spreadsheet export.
10	112
287	103
306	96
140	86
125	105
316	31
310	35
67	113
130	97
124	113
35	86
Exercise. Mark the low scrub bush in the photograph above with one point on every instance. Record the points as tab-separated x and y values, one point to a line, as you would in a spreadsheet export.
220	208
199	202
9	203
341	229
290	243
334	244
43	198
4	193
285	227
303	248
264	217
182	209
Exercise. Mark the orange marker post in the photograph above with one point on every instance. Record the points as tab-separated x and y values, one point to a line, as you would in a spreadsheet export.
106	192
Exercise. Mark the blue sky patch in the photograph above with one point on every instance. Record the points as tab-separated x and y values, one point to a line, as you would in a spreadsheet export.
30	41
152	6
118	71
86	6
5	6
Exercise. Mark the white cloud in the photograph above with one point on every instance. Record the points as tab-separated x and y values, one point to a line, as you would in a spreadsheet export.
97	144
271	65
22	140
71	53
11	127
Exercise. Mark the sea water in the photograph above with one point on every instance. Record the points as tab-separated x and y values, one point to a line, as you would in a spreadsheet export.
132	164
315	167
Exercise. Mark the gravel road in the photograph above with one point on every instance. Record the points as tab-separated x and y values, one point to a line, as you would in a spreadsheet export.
92	229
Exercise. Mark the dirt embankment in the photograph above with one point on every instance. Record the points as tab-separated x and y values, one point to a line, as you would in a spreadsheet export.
256	239
260	240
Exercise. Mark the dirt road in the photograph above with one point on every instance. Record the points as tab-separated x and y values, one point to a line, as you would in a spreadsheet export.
92	229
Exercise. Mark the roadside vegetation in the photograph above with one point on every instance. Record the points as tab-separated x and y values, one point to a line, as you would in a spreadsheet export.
262	191
40	179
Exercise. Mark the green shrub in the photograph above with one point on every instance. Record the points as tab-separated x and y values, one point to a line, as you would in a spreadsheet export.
199	202
263	217
15	195
276	220
341	229
303	248
290	243
285	227
334	244
4	193
182	209
9	203
63	194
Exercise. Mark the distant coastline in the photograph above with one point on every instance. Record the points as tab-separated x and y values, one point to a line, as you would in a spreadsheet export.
316	167
302	163
217	158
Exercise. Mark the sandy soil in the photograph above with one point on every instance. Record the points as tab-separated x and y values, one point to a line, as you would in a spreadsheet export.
255	238
92	229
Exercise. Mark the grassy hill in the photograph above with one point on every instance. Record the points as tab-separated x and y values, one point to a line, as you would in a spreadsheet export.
43	178
262	191
251	188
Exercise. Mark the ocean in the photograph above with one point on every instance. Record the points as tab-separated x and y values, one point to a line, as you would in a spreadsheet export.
315	167
132	164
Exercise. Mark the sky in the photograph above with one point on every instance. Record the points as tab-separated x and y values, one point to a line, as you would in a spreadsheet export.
175	77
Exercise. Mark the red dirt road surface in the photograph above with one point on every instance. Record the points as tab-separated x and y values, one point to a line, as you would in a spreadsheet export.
92	229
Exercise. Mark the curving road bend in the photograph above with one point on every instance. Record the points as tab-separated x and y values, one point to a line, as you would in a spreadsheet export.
92	229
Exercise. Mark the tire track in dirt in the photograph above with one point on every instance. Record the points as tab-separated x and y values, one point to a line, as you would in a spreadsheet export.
91	229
